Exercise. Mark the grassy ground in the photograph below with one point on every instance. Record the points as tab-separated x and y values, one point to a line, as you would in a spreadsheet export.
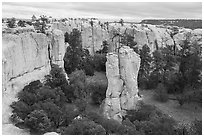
183	114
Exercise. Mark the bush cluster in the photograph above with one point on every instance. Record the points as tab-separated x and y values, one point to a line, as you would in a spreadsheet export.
151	121
161	93
98	92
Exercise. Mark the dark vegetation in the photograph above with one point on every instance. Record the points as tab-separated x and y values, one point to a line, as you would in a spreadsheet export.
55	105
42	109
186	23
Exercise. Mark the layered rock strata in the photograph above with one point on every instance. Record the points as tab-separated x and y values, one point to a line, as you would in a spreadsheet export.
122	93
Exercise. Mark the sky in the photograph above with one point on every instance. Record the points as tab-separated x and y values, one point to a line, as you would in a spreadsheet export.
107	10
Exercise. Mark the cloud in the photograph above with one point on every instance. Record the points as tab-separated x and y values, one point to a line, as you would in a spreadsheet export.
116	10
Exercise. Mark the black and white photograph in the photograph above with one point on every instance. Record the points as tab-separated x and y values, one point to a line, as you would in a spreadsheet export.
101	68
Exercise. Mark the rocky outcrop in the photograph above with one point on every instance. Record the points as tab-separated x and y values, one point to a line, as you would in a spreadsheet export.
152	35
51	133
122	93
26	58
57	47
92	36
195	36
129	68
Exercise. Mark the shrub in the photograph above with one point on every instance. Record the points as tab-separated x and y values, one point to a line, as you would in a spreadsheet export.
87	64
157	127
78	82
155	123
28	94
196	128
70	111
104	49
84	127
99	62
143	114
56	78
153	80
38	121
47	93
98	92
88	69
68	91
193	128
81	104
53	111
112	126
161	93
151	121
21	109
181	99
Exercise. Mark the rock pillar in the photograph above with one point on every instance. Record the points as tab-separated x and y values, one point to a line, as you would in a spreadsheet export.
122	93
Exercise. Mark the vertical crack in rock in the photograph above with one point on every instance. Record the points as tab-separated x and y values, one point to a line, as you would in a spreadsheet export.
49	54
37	50
23	49
122	93
148	41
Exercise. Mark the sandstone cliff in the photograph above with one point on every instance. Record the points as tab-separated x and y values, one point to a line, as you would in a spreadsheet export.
152	35
27	57
122	93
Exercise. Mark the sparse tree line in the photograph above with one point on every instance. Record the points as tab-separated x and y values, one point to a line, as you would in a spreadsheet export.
40	24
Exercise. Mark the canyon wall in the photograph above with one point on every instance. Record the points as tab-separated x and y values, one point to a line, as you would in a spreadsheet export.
122	93
26	57
154	36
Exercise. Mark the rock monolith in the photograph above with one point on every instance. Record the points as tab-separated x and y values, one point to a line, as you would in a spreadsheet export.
122	93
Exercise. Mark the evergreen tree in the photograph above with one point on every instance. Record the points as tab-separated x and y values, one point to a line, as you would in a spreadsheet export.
21	23
145	66
76	57
11	23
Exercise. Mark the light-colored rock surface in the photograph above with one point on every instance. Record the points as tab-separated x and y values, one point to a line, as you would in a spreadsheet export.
23	54
51	133
10	129
57	47
26	58
122	93
129	68
92	37
112	106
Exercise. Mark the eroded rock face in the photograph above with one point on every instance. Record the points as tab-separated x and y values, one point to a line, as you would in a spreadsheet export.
57	47
154	36
26	57
129	68
122	93
112	106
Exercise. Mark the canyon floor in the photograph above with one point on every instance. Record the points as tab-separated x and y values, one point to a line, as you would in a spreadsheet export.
182	114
